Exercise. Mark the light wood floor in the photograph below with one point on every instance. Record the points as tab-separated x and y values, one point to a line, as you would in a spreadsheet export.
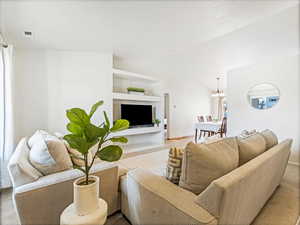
281	209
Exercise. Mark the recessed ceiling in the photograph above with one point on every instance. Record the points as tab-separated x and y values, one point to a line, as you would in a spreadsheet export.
128	28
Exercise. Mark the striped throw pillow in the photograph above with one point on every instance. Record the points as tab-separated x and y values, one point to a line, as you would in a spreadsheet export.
174	165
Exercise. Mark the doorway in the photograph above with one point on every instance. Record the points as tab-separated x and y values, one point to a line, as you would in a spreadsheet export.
166	116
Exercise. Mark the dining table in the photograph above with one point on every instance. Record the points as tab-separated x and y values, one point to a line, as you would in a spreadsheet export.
208	126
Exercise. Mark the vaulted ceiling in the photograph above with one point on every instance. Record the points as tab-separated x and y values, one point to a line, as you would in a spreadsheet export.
129	29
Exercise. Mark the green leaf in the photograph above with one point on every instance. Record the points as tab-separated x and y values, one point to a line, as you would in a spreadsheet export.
119	139
78	116
93	132
120	125
110	153
79	143
94	108
92	143
107	123
74	128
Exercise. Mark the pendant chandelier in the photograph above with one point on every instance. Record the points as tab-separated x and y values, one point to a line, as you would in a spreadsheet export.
218	92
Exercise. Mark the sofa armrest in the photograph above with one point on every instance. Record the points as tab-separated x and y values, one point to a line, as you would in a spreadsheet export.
154	200
42	201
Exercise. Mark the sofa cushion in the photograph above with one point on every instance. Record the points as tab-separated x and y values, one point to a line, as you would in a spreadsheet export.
76	156
49	156
173	170
37	136
203	163
270	138
20	170
250	147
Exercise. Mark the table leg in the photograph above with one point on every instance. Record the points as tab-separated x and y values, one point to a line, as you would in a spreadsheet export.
196	131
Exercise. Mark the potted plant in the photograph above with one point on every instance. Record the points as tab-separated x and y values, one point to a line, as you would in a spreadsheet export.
136	91
157	122
83	136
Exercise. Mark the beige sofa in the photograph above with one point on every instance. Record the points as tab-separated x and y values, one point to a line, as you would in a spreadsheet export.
146	197
236	198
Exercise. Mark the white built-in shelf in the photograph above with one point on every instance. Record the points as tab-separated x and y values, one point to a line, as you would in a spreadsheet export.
137	131
133	97
129	75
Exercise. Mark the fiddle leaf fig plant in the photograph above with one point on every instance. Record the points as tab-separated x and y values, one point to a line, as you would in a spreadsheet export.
84	135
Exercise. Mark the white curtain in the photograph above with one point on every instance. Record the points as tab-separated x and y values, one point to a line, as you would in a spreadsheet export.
6	113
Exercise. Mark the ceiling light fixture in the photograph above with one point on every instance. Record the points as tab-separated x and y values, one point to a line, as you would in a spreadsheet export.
218	92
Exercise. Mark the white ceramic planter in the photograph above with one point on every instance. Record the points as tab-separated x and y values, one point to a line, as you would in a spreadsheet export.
86	197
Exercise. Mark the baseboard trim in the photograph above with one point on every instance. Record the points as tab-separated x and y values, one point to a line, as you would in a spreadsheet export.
179	138
293	163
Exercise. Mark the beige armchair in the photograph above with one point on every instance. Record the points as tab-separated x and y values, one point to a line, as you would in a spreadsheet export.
42	201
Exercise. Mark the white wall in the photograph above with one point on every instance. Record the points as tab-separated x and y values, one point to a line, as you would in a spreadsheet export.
284	117
49	82
189	74
188	99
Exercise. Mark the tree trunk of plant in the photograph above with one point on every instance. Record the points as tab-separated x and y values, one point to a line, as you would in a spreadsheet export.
86	169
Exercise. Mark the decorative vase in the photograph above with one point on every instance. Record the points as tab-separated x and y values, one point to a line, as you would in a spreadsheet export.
86	197
87	208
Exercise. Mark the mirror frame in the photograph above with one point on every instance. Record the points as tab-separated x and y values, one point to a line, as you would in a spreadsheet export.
248	99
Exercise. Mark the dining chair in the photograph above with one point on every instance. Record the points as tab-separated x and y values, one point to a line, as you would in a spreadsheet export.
200	118
223	129
209	118
202	132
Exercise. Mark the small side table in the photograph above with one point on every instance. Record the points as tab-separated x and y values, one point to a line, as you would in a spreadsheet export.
69	216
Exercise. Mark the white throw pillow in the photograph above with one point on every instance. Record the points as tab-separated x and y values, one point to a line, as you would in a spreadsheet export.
48	154
20	170
37	136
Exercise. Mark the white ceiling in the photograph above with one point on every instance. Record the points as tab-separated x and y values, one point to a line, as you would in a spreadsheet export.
198	39
128	29
271	37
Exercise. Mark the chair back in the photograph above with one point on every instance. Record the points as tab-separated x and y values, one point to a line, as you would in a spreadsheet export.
200	118
208	118
224	125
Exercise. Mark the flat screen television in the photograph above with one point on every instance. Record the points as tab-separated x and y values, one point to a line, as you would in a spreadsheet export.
137	115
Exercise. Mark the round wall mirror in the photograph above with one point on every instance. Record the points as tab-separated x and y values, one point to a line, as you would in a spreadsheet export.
263	96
